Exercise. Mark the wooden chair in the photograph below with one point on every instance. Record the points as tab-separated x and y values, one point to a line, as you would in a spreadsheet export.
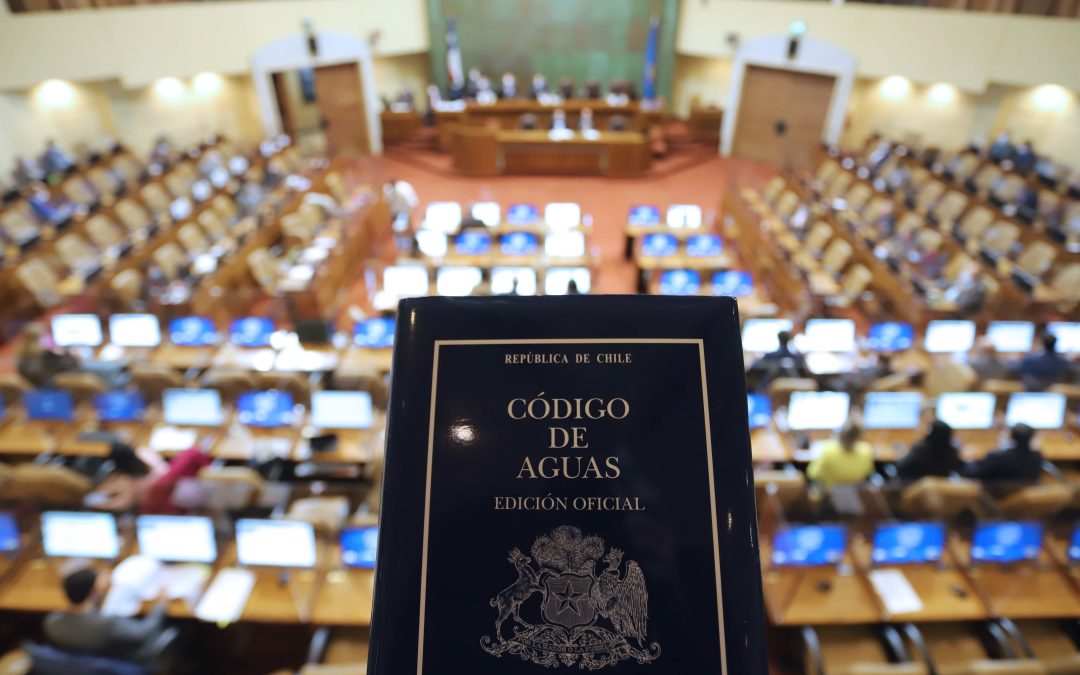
854	650
103	180
154	196
975	222
1049	644
985	177
855	283
838	186
171	260
40	281
858	197
781	388
326	514
296	230
1008	189
82	386
45	485
103	232
946	211
1066	283
1038	501
775	187
1000	238
825	171
819	235
934	497
230	383
132	215
127	287
77	254
928	196
152	379
192	239
1037	259
836	257
948	376
785	208
225	207
243	479
264	269
79	191
178	182
128	167
212	224
338	190
909	224
18	227
12	387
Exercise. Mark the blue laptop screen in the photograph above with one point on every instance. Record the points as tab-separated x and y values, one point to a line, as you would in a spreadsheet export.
472	243
909	543
680	282
704	245
1007	542
374	333
891	336
644	216
9	533
809	545
192	331
659	244
734	283
759	410
1074	546
49	404
358	546
519	243
265	409
119	406
252	331
522	214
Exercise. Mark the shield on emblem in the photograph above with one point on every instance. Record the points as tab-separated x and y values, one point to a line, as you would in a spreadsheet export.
567	602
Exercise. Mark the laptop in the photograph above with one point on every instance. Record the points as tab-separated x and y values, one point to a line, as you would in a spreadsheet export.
1007	542
1067	334
359	546
704	246
733	283
908	543
489	213
251	332
827	335
817	410
659	245
375	333
192	331
405	281
48	405
684	216
192	407
457	281
760	335
758	410
275	543
78	534
9	533
134	330
341	410
888	410
519	244
513	280
1038	410
176	539
266	409
522	214
77	330
680	282
891	336
644	215
432	244
948	336
562	215
966	410
119	406
472	242
557	280
809	545
565	245
443	217
1011	337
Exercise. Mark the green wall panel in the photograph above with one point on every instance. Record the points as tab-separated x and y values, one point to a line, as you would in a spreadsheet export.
582	39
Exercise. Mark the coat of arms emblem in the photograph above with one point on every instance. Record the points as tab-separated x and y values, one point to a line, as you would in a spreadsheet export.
586	618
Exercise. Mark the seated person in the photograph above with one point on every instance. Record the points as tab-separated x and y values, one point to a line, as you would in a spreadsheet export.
987	364
55	161
1002	148
1027	202
784	362
566	89
538	86
1039	371
26	172
39	364
1024	159
509	86
618	123
1017	463
860	379
83	629
934	455
593	89
969	293
844	460
48	209
529	122
586	121
141	480
558	120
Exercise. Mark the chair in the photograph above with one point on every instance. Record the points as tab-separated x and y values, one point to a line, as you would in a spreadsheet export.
1047	642
935	497
909	224
851	650
295	229
326	514
295	384
152	379
858	197
946	211
949	376
781	388
18	227
225	207
836	257
775	187
783	488
785	208
1008	189
211	223
49	660
155	198
928	196
132	215
103	232
838	186
1037	501
855	283
178	182
192	239
82	386
127	287
230	383
40	281
816	239
975	222
12	387
128	167
986	177
79	191
243	479
77	254
45	485
1036	259
263	269
170	260
103	180
1066	283
1000	238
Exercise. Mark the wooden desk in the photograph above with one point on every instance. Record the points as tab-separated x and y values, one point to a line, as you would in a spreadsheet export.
310	359
704	124
345	596
1028	591
132	433
892	444
34	586
31	438
1059	446
354	446
279	596
483	152
183	358
242	443
506	114
794	597
399	126
231	356
767	445
361	361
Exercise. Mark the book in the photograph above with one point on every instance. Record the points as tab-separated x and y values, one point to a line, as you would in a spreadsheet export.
568	485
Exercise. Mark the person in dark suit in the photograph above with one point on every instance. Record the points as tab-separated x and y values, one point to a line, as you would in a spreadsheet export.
1039	371
1002	148
593	89
567	89
781	362
538	86
1024	159
1017	463
935	455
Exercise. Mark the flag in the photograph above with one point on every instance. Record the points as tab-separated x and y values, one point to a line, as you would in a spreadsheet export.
648	87
455	72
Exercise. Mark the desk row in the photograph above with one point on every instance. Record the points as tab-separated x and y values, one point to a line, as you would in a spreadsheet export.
414	280
262	570
818	575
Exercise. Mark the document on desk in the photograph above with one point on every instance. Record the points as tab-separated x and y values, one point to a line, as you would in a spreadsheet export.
172	439
567	485
895	591
227	596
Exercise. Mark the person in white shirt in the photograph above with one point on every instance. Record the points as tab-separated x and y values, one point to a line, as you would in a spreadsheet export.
401	198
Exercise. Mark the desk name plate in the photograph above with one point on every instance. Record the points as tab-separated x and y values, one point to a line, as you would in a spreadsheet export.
563	493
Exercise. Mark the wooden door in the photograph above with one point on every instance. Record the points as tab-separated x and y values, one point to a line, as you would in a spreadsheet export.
284	108
781	115
340	96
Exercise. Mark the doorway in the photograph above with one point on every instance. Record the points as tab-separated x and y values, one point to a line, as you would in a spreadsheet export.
323	108
782	115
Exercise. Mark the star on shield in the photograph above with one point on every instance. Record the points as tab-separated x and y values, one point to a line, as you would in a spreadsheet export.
569	599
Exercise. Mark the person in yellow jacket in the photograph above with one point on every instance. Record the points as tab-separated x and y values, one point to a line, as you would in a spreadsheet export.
844	460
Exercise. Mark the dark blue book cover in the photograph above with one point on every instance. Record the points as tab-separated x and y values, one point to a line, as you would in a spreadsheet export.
568	487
